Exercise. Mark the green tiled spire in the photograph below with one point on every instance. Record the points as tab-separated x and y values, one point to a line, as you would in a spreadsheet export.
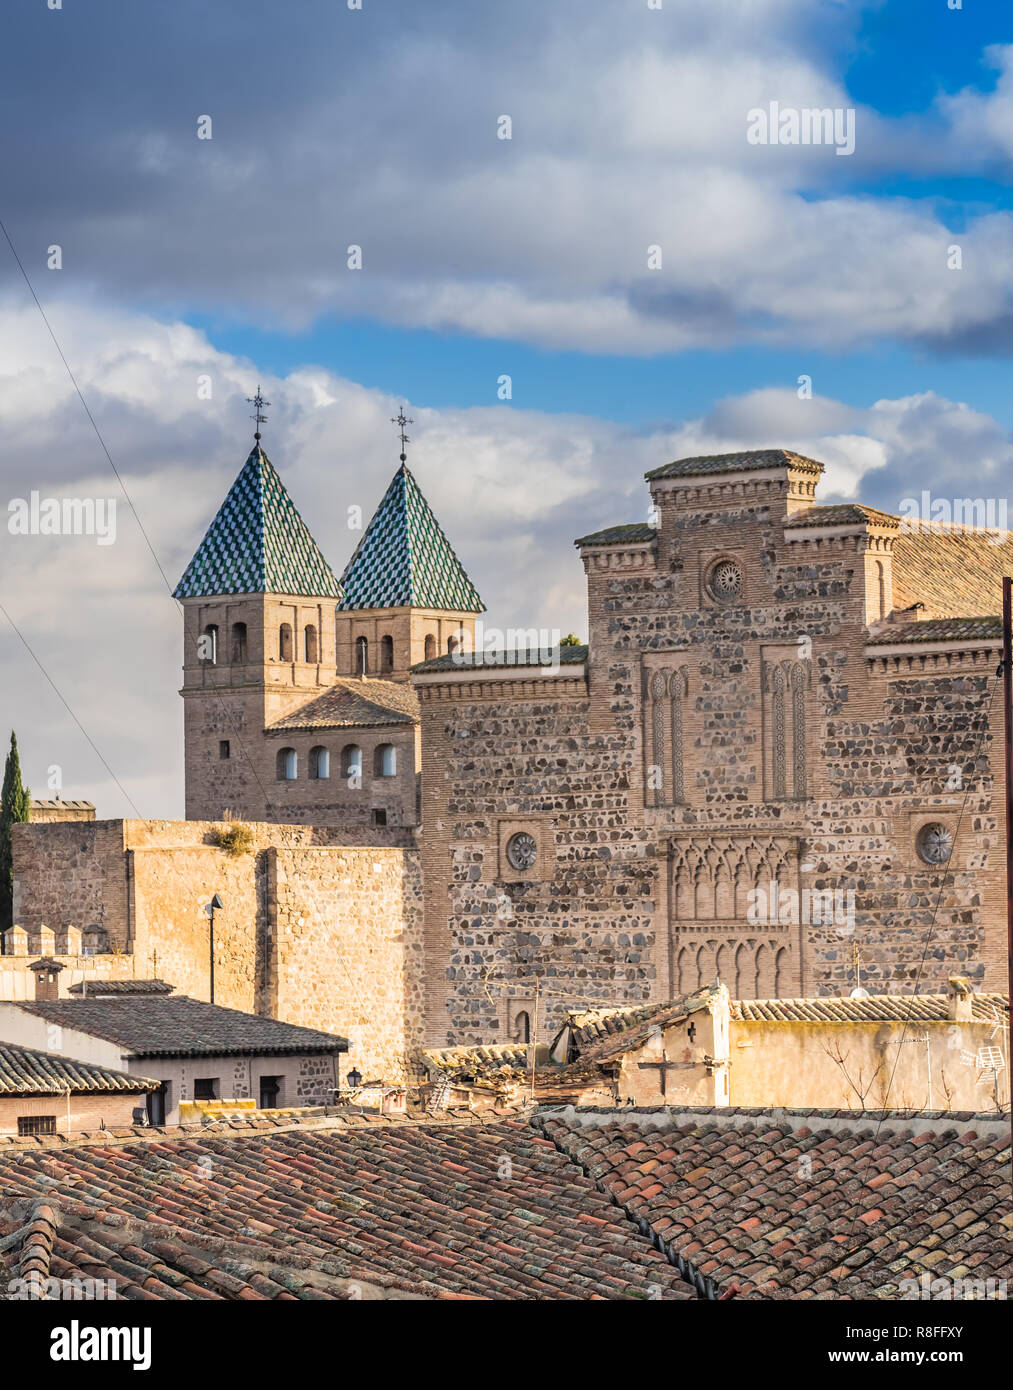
258	543
405	560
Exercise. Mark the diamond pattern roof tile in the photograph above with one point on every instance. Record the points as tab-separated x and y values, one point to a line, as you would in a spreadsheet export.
258	543
404	559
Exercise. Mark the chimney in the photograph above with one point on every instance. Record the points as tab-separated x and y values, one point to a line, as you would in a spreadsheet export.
958	999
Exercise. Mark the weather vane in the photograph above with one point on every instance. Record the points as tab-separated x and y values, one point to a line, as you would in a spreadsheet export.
258	403
401	419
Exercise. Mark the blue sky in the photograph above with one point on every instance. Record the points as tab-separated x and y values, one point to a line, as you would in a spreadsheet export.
224	260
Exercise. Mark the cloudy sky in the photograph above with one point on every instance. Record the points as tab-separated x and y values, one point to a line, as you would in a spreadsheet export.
884	275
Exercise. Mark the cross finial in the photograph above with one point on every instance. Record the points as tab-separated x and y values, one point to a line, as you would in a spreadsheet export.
401	419
258	403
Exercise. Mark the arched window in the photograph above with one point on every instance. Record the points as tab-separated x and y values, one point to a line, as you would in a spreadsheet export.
285	642
452	645
238	644
287	765
208	645
522	1027
351	762
320	763
361	655
430	647
311	644
386	654
385	760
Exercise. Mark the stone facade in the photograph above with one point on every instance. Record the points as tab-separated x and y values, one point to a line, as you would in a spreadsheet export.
755	709
315	930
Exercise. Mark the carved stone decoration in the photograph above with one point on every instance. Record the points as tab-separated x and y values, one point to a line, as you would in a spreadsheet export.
798	684
935	843
724	583
785	683
522	851
780	771
664	692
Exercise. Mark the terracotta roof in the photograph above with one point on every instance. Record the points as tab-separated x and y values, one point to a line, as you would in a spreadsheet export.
156	1025
495	1057
841	514
937	630
604	1033
26	1071
632	534
355	702
520	657
466	1210
955	572
98	988
729	1196
878	1008
746	461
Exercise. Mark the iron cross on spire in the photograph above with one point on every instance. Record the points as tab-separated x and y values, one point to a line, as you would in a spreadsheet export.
258	403
401	419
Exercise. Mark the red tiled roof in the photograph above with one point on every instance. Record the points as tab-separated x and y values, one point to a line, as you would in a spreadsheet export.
810	1204
350	703
466	1209
27	1071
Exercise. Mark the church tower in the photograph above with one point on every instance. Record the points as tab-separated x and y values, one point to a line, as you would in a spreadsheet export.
258	600
406	595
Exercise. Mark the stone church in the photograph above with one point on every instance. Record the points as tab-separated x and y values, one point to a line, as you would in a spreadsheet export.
777	762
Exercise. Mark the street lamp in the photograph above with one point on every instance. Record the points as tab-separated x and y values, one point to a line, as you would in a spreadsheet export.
215	905
353	1078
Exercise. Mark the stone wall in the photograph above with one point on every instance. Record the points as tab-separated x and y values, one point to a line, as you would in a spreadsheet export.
314	931
715	748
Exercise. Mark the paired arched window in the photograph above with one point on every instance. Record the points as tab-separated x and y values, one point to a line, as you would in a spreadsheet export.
361	655
385	760
238	644
430	647
351	761
287	765
208	646
320	763
386	654
311	645
285	642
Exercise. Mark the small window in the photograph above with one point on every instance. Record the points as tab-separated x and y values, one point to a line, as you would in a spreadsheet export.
207	647
430	648
270	1092
452	645
386	654
285	642
522	1027
351	761
94	941
287	765
36	1124
224	752
361	655
320	763
205	1088
379	816
238	644
310	645
385	761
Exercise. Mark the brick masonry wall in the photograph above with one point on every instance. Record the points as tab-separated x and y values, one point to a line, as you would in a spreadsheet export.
87	1112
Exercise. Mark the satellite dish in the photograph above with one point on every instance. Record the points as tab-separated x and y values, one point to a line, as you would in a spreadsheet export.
859	993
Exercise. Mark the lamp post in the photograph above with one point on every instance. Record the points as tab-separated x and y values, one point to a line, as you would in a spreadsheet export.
215	905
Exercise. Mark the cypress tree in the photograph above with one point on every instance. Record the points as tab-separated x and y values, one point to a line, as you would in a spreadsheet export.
15	801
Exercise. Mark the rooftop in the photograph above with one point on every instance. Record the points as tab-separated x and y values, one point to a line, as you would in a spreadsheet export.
567	1204
522	657
360	701
95	988
749	460
26	1071
404	559
159	1025
258	543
